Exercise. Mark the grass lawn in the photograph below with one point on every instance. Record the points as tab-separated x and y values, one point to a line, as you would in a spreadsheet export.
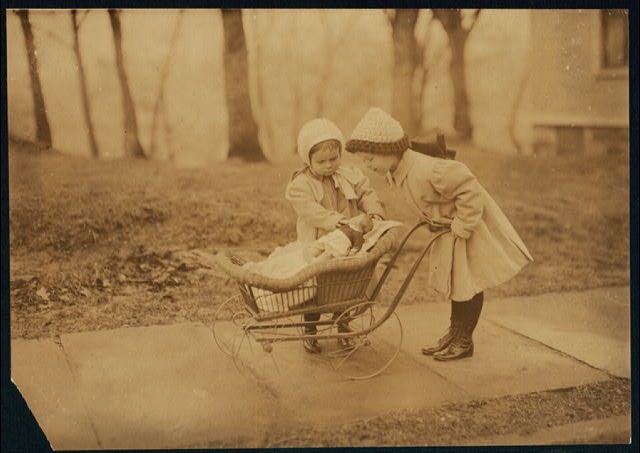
102	244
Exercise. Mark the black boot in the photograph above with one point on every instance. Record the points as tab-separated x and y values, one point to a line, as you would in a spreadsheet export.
462	344
343	327
311	345
444	341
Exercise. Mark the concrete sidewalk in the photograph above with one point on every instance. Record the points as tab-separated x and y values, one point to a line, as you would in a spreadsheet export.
172	387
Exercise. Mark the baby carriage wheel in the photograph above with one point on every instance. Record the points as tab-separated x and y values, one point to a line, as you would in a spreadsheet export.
259	353
227	322
371	352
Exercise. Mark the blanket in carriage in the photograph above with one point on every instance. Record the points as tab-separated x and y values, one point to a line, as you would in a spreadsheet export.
291	259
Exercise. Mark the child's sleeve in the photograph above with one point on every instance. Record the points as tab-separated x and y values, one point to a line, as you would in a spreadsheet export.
300	195
316	249
453	180
368	200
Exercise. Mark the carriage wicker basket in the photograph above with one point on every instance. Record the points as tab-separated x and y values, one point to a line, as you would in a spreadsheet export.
337	292
320	287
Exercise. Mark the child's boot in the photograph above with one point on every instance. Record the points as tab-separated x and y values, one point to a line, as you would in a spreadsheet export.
454	325
462	344
311	345
343	327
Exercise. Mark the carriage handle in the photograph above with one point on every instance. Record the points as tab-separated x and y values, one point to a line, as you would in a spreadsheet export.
405	283
414	268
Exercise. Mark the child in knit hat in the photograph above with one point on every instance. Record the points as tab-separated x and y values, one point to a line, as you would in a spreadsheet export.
482	249
325	194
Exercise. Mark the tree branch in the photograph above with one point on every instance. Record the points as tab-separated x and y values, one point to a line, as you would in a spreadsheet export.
82	18
476	13
391	16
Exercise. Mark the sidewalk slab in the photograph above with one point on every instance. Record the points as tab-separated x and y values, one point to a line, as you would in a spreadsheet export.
592	326
172	387
504	363
316	394
165	387
40	370
311	391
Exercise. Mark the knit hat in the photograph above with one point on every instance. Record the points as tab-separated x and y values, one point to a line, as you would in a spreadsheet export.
316	131
378	132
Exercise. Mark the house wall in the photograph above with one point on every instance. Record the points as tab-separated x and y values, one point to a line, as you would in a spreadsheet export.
575	105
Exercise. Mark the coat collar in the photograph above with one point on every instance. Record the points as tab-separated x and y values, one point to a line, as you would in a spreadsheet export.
345	178
397	177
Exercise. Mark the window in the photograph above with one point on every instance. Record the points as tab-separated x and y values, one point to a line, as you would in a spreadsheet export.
615	39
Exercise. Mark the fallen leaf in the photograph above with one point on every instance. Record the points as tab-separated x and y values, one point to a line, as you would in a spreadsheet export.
161	278
43	294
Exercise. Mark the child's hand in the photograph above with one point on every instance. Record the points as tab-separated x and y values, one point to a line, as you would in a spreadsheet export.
356	237
342	222
458	230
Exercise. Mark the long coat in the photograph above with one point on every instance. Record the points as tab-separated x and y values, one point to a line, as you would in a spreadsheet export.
318	213
484	250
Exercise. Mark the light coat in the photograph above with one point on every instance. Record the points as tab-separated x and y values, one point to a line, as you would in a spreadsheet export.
483	250
319	214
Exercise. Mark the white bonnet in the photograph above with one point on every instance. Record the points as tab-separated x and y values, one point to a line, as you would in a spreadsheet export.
314	132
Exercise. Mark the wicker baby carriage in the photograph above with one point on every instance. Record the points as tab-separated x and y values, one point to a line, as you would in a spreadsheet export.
268	311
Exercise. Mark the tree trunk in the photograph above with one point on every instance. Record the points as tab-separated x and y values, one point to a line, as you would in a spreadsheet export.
461	120
158	108
86	107
243	130
429	65
43	131
526	73
133	148
451	20
259	101
404	68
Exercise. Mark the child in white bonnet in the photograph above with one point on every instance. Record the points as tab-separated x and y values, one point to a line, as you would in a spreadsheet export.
325	193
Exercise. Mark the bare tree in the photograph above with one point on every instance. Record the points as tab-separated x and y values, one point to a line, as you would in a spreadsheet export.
43	131
425	67
133	148
243	130
259	99
517	103
293	79
86	107
452	22
158	108
406	61
330	49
